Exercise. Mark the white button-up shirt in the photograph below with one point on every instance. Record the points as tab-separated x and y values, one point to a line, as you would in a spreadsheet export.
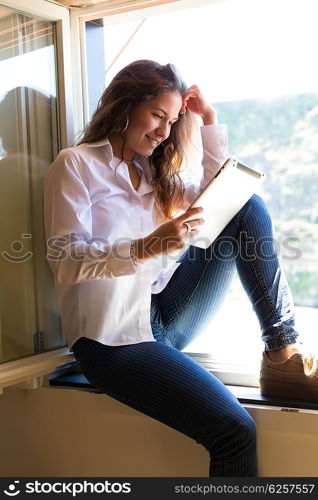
91	213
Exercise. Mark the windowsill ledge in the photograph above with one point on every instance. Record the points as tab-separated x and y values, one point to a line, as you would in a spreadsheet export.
28	372
245	395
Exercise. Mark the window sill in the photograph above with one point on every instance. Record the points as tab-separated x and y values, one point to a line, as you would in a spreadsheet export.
28	372
62	371
245	395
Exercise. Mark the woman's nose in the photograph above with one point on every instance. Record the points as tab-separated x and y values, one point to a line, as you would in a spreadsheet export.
163	130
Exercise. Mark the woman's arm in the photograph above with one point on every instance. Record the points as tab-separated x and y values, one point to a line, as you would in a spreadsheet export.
214	142
194	100
73	254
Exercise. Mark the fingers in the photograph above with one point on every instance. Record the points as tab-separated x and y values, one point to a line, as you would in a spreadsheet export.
191	212
190	233
174	233
191	224
195	222
188	224
192	91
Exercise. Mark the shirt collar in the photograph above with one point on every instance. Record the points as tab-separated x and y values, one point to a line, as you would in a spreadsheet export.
103	142
145	182
142	161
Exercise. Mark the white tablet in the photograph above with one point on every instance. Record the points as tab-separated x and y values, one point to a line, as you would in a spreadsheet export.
223	197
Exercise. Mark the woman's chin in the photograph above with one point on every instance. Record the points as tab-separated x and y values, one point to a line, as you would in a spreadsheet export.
146	152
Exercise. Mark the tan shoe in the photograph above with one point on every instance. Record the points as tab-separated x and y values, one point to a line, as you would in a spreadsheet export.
295	378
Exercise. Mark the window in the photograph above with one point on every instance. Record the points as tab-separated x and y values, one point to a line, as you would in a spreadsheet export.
254	60
31	47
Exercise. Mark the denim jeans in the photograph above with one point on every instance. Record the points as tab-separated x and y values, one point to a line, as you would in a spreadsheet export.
198	287
159	380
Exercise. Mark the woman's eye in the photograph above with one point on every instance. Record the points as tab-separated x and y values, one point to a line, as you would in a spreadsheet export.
158	116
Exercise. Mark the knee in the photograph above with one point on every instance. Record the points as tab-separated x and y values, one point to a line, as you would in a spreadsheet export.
245	430
235	453
257	218
257	206
238	434
241	431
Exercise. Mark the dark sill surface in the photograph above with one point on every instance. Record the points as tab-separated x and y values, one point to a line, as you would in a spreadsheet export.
245	395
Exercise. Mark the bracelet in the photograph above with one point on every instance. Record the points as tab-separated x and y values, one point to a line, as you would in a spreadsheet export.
133	254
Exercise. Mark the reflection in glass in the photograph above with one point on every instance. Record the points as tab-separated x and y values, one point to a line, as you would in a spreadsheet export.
29	322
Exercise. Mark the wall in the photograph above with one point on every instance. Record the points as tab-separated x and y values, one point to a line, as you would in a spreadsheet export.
77	433
67	432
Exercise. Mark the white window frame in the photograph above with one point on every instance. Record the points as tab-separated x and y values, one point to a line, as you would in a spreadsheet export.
28	371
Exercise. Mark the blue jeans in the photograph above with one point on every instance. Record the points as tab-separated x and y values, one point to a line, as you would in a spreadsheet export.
159	380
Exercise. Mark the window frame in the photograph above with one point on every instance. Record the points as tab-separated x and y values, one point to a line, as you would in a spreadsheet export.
28	371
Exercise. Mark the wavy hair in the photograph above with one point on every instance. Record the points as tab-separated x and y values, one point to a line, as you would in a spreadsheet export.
139	81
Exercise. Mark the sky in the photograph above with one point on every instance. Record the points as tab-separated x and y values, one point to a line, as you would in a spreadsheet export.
236	49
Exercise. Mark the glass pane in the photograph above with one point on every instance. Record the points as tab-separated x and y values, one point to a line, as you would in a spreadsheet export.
262	80
28	131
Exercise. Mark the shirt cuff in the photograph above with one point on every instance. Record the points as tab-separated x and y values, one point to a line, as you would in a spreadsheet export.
121	263
215	138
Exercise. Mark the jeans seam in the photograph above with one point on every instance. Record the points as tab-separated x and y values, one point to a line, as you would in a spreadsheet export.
274	343
272	307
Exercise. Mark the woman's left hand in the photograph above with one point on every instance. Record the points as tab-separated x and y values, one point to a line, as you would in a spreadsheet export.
197	103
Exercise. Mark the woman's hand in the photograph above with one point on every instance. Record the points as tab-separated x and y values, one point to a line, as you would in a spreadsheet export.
197	103
170	236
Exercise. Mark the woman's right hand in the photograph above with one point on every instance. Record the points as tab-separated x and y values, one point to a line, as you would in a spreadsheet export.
170	236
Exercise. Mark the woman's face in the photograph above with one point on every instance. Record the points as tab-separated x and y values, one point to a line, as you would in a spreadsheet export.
150	124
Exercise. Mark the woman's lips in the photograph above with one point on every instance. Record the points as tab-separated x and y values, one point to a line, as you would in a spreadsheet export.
153	142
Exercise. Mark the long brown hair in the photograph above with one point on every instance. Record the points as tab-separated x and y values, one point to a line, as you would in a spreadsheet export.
139	81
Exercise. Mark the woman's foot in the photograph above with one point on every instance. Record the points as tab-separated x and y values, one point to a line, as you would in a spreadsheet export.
281	355
289	373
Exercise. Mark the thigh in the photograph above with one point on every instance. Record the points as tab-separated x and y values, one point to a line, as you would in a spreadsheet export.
165	384
194	293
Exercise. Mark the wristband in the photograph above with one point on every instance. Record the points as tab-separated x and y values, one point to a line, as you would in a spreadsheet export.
133	254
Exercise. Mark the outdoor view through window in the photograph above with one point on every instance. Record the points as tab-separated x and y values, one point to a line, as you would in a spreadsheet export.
255	60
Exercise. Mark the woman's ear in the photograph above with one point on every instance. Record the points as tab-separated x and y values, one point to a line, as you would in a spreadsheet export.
183	107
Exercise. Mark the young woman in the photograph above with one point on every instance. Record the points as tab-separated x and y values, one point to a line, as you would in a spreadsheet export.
110	205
